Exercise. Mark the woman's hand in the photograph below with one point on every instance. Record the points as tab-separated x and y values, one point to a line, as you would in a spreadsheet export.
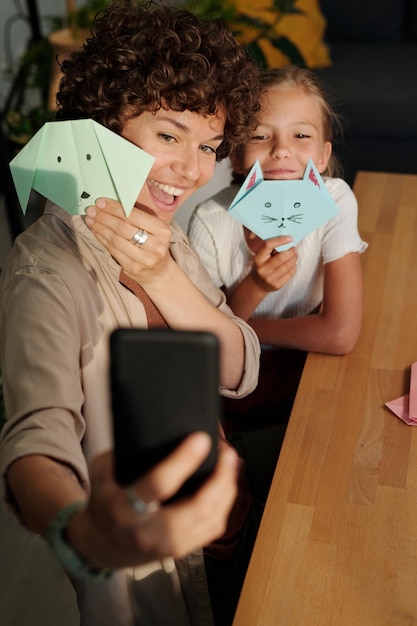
109	533
142	262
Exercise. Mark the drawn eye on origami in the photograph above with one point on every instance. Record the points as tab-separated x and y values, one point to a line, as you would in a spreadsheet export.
85	195
59	159
88	157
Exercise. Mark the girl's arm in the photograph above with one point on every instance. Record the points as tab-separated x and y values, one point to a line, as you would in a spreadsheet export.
335	329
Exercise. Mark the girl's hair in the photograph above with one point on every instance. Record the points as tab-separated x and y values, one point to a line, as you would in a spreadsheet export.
293	76
142	56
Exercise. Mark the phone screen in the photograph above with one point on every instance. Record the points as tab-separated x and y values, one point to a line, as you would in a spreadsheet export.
164	385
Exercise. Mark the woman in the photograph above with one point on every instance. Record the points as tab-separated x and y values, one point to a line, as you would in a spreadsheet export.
186	93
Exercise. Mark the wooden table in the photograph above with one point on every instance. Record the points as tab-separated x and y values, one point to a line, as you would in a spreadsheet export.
337	544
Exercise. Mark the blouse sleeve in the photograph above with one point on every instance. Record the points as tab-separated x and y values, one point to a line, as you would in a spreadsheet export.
203	239
340	234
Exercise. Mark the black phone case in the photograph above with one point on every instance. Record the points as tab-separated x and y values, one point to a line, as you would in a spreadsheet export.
164	385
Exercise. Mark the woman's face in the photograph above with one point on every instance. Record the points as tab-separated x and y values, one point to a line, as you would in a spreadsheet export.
184	145
290	133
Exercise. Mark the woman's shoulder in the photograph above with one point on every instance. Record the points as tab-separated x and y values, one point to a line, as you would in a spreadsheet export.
52	246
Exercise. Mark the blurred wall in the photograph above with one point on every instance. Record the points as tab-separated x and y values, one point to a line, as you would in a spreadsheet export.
15	32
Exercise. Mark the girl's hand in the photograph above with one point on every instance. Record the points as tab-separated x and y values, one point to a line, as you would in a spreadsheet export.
142	262
271	269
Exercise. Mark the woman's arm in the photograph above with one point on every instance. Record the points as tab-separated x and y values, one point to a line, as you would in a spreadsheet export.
108	533
177	298
335	329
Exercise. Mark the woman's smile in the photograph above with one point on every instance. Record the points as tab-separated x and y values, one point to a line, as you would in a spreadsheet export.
184	145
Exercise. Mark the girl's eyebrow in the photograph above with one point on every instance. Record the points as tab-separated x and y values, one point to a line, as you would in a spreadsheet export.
293	123
185	128
304	123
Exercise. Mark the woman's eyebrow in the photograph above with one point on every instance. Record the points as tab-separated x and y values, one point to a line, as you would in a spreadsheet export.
185	128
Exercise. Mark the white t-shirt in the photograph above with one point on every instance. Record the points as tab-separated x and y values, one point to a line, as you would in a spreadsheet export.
220	242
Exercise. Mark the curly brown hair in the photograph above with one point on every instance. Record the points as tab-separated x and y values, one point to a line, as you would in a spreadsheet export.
142	56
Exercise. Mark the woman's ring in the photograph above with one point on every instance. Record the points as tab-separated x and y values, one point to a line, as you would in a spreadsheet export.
139	506
139	237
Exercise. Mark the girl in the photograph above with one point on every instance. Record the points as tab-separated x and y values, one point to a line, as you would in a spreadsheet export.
306	299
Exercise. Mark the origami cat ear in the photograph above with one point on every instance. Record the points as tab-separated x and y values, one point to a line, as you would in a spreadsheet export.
270	208
72	163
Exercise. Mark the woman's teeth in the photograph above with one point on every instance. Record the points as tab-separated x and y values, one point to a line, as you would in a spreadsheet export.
172	191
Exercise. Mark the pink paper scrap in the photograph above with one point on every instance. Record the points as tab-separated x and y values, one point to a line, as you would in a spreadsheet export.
405	407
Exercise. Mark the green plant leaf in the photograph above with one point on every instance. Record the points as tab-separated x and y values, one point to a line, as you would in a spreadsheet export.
211	9
252	22
255	52
84	16
285	6
290	50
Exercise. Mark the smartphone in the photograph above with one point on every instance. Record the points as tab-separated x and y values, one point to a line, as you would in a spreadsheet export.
164	386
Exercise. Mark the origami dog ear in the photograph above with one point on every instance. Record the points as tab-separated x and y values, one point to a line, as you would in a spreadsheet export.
24	166
72	163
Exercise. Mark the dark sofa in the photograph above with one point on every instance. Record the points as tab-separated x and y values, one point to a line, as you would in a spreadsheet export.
373	82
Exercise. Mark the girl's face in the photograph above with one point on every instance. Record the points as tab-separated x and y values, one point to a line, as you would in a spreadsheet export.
184	145
290	133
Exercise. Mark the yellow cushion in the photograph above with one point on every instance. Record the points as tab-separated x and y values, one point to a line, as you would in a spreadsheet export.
305	30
